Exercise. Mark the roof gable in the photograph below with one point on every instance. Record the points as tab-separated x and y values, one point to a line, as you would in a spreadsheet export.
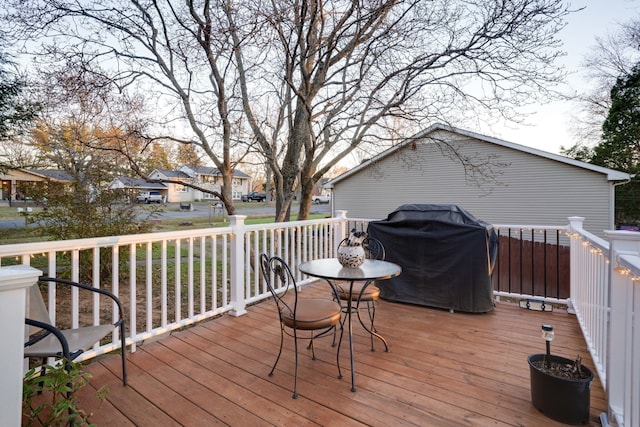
208	170
169	174
55	175
135	183
612	175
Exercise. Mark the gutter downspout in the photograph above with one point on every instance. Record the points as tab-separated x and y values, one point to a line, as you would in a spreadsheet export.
612	201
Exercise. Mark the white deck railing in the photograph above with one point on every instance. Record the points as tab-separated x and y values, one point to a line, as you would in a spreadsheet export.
589	291
623	347
605	295
173	279
170	280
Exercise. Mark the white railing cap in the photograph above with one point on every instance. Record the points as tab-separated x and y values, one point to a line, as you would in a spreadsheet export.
18	276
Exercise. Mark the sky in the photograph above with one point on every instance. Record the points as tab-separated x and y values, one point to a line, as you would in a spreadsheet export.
549	127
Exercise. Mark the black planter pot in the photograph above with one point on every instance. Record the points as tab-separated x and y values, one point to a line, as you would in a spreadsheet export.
561	399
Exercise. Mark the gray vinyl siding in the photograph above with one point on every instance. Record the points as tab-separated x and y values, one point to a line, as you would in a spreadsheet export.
529	189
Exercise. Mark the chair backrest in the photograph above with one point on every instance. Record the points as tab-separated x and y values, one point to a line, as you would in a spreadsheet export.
36	308
373	248
280	282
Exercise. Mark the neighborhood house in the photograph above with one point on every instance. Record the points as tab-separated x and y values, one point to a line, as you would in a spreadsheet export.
497	181
14	183
202	176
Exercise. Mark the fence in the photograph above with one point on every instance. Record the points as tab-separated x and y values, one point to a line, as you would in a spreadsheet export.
173	279
533	262
605	296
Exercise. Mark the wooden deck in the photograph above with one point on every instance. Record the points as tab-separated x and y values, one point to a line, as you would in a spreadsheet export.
443	369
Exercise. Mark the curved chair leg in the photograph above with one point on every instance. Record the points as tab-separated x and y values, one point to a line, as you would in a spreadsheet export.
279	352
371	315
338	352
311	346
295	375
342	319
372	329
123	351
371	311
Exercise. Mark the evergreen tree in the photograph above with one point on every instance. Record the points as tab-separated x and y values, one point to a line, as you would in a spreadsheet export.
620	146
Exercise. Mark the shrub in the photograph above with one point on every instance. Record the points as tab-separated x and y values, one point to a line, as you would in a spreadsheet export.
49	399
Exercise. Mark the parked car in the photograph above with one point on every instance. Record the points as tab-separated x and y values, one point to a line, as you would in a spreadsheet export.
149	197
254	196
321	199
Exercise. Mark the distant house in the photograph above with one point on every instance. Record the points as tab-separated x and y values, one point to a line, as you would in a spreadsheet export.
174	192
13	181
211	178
524	185
204	177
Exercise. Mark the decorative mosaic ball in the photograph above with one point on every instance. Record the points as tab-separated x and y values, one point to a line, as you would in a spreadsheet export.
351	256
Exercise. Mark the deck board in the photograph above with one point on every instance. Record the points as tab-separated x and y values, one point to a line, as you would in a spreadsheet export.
443	369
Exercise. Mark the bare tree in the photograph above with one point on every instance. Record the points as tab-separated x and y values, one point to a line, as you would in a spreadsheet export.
16	113
310	82
322	79
177	54
85	128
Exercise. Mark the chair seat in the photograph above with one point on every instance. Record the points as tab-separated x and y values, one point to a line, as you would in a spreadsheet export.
371	293
81	338
313	313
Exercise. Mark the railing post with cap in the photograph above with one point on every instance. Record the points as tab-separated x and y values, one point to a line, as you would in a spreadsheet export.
622	383
237	265
14	281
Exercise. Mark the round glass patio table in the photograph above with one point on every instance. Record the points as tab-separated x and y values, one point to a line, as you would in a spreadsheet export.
331	270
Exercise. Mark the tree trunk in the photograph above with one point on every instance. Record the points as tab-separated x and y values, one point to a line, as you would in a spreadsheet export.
306	191
227	191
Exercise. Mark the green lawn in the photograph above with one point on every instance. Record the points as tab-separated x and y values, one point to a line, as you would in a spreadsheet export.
23	234
11	213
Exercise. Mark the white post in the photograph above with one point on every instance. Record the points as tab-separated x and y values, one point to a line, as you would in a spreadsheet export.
14	281
620	330
237	265
340	231
575	223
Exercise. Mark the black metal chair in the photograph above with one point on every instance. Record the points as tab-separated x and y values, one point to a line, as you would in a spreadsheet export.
366	291
314	317
46	340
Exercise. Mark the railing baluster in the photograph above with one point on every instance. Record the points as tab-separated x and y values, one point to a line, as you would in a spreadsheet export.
214	272
190	297
203	271
115	288
178	282
51	268
149	286
75	294
163	283
96	284
225	272
133	305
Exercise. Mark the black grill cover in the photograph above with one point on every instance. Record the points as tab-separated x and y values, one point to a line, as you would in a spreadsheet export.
446	255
